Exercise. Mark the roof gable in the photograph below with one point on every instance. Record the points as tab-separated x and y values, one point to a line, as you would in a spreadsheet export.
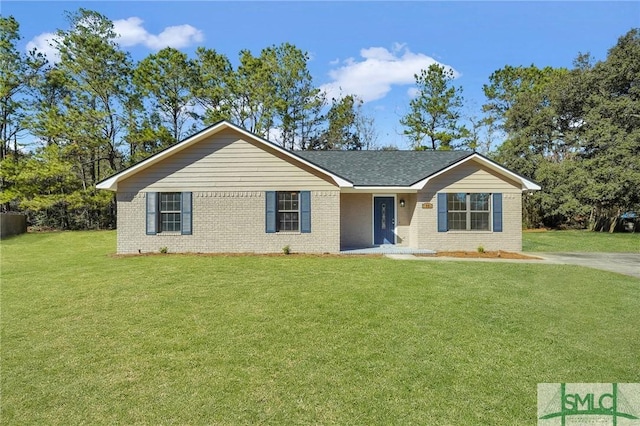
348	169
526	184
409	169
384	168
111	183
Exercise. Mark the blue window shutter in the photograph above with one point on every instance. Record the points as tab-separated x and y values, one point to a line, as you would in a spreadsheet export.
497	212
305	211
270	212
152	213
187	218
443	226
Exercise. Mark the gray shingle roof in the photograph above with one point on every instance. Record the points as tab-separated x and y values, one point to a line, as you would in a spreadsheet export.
383	168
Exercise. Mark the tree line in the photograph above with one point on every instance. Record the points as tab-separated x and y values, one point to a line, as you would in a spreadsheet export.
576	132
94	112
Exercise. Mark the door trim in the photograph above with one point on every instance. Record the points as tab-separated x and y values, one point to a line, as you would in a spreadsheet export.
373	215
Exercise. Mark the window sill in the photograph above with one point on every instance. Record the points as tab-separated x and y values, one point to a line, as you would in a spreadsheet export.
169	234
288	232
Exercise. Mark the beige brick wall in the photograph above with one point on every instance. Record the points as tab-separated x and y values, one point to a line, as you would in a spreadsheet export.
426	227
233	220
230	222
470	177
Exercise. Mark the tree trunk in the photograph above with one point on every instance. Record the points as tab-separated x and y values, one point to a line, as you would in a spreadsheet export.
614	224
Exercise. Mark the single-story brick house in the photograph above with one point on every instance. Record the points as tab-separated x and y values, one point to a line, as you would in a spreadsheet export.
225	189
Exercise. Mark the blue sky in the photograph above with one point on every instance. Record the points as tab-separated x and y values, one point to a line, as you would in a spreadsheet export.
372	49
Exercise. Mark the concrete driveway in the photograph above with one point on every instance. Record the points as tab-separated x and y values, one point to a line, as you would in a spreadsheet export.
622	263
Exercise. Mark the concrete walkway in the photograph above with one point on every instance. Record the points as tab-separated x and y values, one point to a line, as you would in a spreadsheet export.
385	249
622	263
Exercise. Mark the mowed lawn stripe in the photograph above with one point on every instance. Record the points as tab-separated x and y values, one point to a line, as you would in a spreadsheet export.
88	337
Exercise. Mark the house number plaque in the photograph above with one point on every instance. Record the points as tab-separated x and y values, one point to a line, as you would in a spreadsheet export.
427	205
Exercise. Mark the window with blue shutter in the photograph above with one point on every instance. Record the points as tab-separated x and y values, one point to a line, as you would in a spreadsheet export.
169	212
305	211
442	213
187	218
288	211
152	218
270	212
497	212
460	211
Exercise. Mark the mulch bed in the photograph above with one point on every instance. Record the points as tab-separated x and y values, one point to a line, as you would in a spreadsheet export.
484	255
458	254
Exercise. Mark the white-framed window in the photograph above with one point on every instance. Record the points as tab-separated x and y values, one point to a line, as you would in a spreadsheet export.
469	211
170	208
288	211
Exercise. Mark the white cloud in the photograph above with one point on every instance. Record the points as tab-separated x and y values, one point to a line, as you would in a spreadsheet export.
379	70
43	44
132	32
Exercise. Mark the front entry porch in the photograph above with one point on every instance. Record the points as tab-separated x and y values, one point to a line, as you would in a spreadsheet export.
376	221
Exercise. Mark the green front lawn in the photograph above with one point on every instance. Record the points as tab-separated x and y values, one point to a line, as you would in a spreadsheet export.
580	241
172	339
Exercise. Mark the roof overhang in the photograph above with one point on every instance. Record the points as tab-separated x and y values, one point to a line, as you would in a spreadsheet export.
526	184
111	183
380	189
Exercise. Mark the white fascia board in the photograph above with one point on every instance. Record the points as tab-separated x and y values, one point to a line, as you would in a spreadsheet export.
342	183
111	183
527	185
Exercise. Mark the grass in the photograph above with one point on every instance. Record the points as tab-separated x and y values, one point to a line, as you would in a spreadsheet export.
89	338
580	241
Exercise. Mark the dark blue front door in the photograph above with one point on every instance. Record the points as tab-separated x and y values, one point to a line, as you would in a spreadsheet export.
384	220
